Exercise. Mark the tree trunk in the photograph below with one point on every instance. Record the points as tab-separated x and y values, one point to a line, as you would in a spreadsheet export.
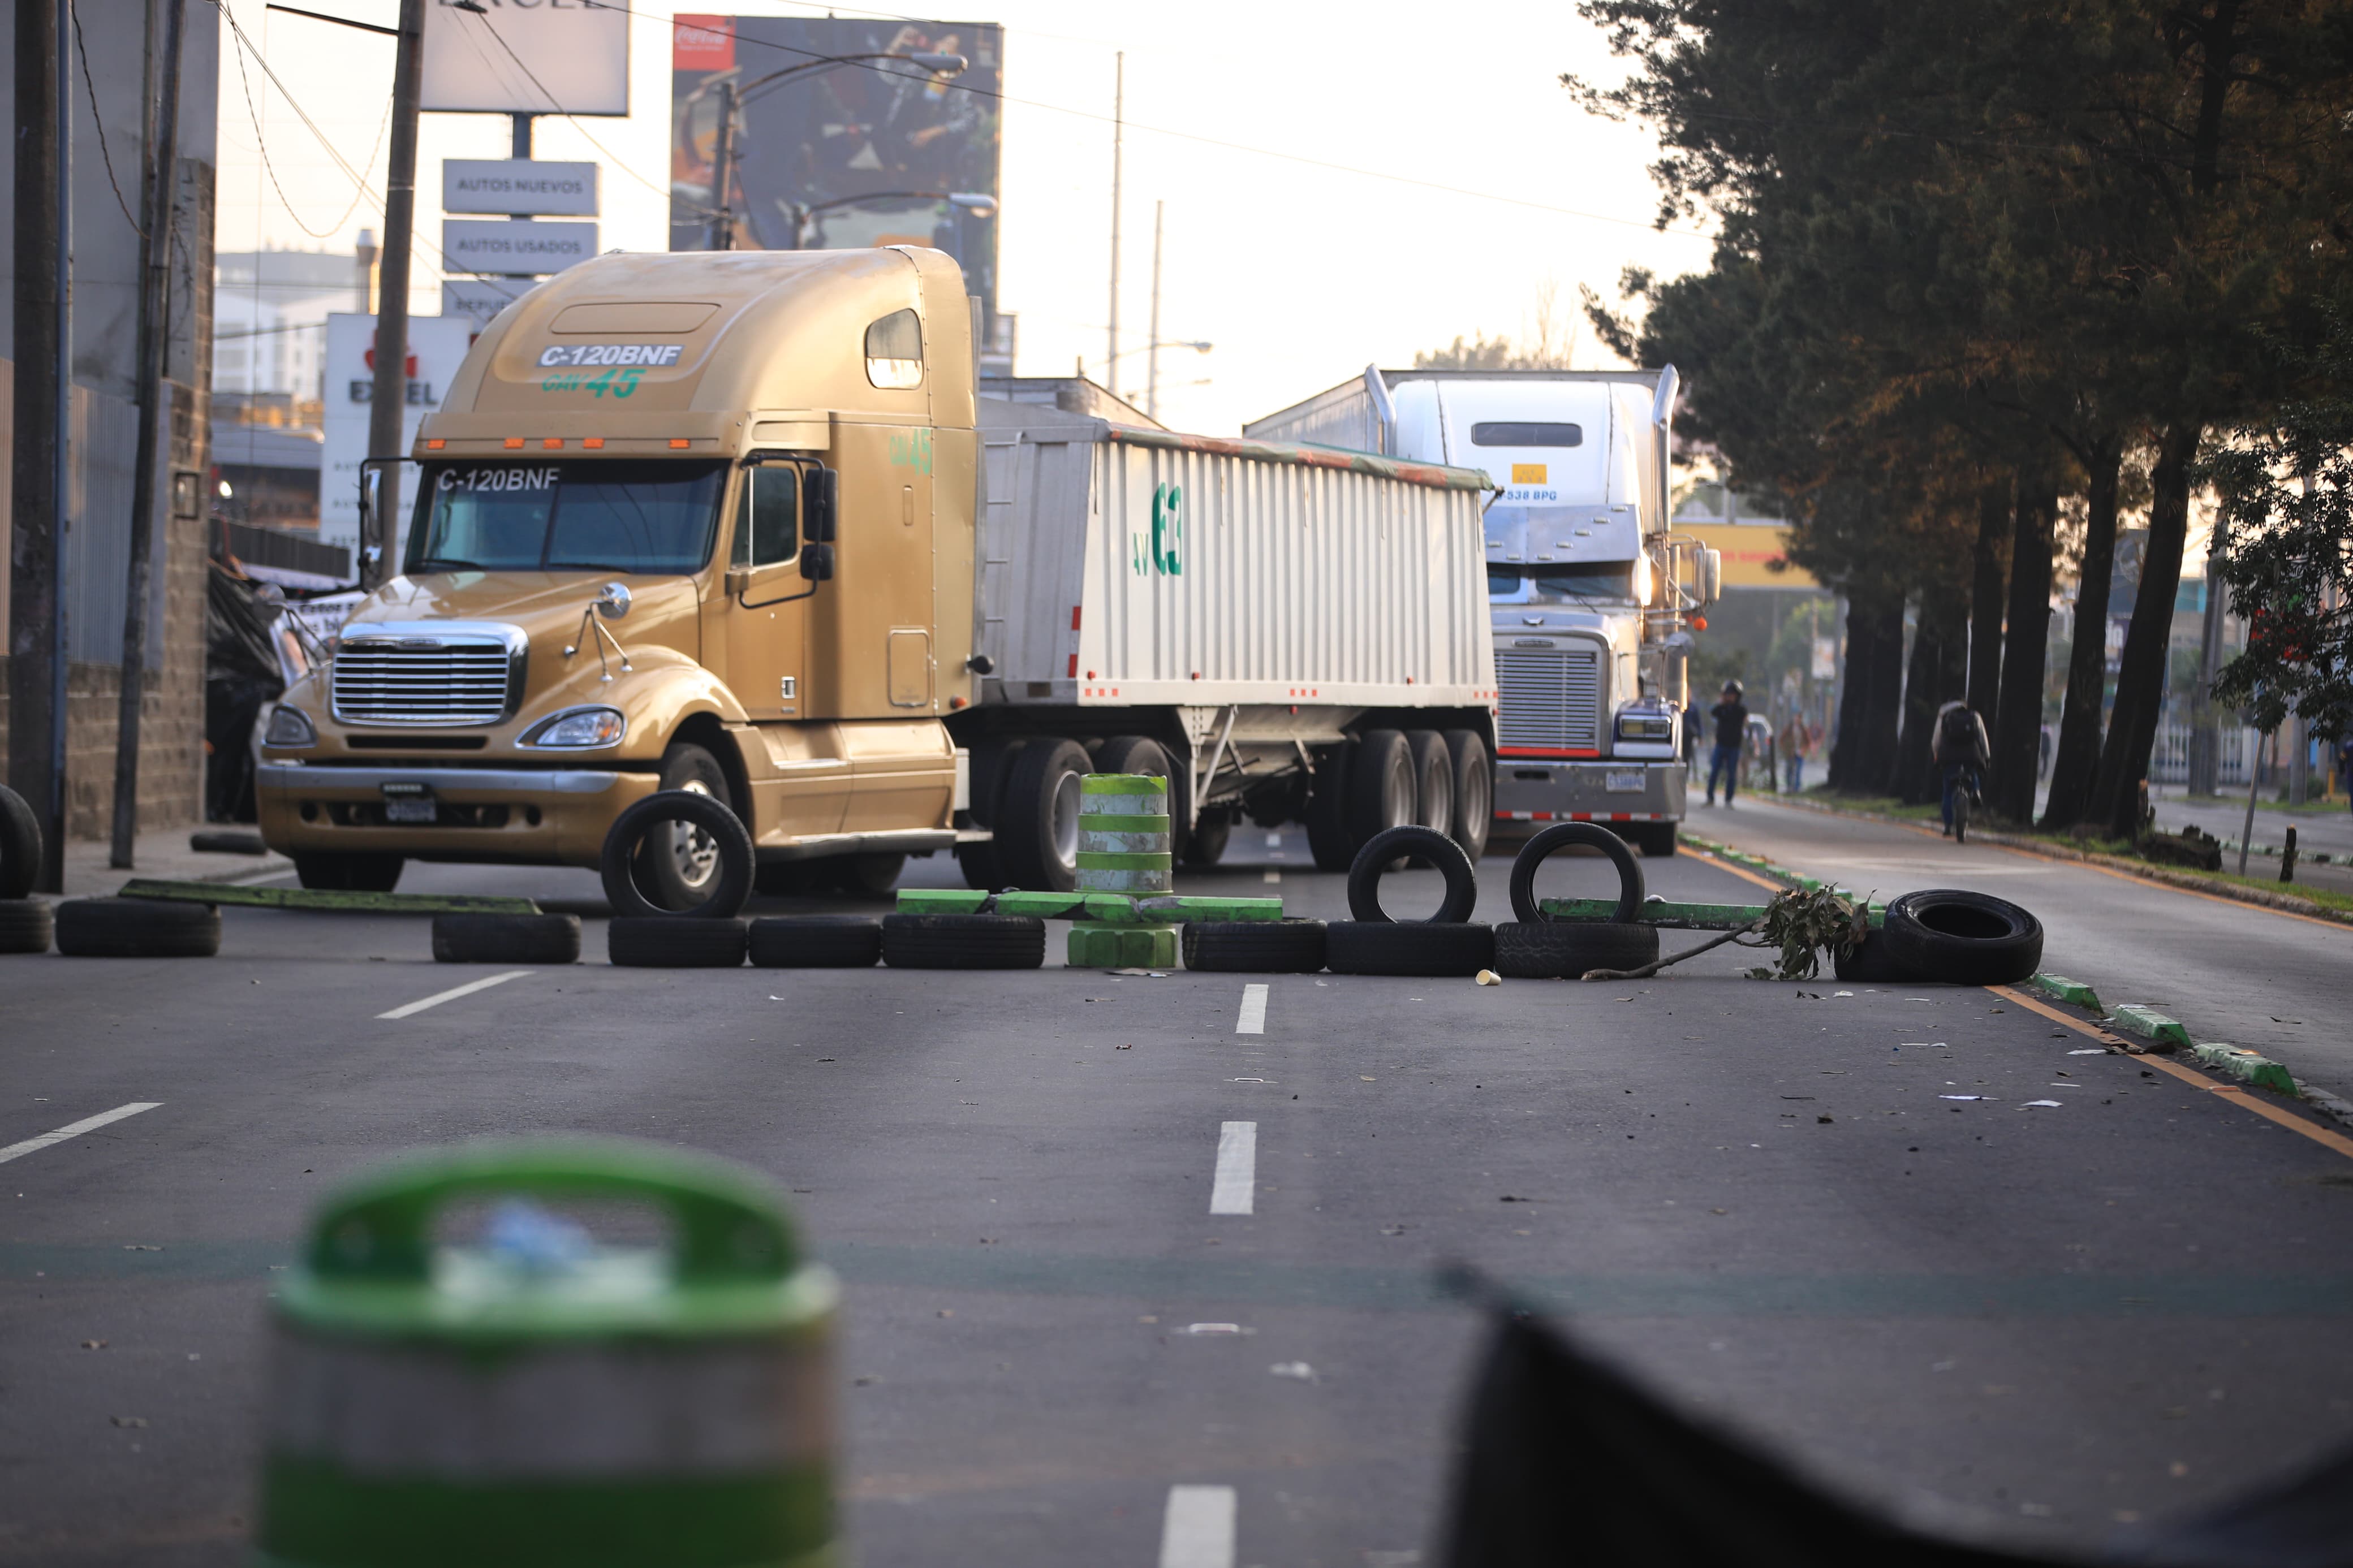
1859	659
2141	682
1883	700
1988	574
2018	718
1934	675
2078	760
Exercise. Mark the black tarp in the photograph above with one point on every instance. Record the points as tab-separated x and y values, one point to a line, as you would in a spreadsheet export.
241	673
1570	1464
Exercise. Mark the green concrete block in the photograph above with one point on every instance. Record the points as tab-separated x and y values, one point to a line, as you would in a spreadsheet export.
2072	992
1188	907
2247	1066
2151	1025
326	901
1111	908
1122	947
1043	906
941	901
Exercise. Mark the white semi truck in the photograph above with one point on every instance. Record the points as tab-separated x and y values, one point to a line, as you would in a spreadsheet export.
1591	596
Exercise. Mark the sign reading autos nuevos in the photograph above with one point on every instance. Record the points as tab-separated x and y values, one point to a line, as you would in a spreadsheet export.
515	248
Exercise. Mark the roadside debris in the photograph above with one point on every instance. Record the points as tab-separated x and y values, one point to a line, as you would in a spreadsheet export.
1489	977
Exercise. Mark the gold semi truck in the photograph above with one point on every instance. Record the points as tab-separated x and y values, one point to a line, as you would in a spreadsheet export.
715	521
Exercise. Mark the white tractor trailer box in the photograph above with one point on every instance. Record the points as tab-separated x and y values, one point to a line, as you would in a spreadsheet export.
1289	634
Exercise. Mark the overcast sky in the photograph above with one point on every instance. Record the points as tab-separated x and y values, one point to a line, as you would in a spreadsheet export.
1298	271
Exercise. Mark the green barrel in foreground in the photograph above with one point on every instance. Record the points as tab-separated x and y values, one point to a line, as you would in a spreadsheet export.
540	1399
1123	838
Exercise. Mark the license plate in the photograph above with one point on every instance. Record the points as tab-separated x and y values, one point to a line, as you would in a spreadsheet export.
406	809
1629	782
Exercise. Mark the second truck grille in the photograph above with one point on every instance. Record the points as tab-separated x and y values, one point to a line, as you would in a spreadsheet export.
457	683
1551	699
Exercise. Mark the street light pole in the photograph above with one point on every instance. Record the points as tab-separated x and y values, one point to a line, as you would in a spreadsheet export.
389	398
1118	147
722	216
1152	359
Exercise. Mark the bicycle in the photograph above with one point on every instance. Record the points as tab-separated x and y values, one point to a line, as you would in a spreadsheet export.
1964	795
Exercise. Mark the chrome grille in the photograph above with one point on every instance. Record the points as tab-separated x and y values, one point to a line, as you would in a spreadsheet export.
398	681
1551	699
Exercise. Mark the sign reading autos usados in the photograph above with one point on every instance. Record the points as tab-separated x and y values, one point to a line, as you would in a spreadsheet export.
526	56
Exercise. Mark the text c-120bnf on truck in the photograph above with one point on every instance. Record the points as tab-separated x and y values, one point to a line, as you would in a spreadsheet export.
721	522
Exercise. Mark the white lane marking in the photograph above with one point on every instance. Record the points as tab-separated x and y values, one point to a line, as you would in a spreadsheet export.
1198	1530
1251	1019
75	1129
455	992
1272	874
1236	1184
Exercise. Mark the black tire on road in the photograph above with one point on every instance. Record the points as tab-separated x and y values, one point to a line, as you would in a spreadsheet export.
666	942
348	871
963	941
1380	786
1037	816
1205	845
25	925
1327	808
1411	947
1963	937
1423	843
645	823
1656	840
1871	962
506	939
137	927
1474	791
1254	947
226	841
1565	949
979	860
20	844
1560	835
816	941
678	867
1433	779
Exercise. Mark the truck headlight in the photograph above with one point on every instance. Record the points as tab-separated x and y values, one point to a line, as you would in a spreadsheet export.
578	729
289	727
1638	725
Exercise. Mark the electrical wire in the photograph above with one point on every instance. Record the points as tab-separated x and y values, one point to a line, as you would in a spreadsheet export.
553	103
261	145
105	154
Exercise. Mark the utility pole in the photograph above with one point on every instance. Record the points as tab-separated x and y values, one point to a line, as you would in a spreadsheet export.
1152	354
44	394
155	334
722	150
389	398
1118	148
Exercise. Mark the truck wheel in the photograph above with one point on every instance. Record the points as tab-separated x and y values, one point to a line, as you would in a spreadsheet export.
816	941
963	941
982	864
1038	831
1423	843
1560	835
1414	947
654	820
1205	845
866	876
1963	937
680	865
1656	840
1327	808
1433	779
25	925
1254	947
20	844
347	871
665	941
1565	949
506	939
137	927
1474	791
1380	786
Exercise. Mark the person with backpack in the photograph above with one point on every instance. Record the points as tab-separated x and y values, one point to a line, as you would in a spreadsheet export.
1731	717
1961	749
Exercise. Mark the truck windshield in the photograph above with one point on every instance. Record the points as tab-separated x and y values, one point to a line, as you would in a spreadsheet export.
1561	584
651	517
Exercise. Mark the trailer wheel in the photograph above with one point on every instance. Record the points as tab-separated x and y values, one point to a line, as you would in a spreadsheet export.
1380	786
1205	845
1327	808
20	844
1963	937
1414	947
1423	843
1560	835
137	927
1037	833
1142	754
666	942
650	822
1474	791
1433	780
816	941
348	871
1656	840
963	941
1254	947
25	925
1565	949
506	939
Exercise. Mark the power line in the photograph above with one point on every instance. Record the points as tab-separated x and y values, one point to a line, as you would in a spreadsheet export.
105	154
262	142
553	103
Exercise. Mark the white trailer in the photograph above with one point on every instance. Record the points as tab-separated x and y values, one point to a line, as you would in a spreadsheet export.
1289	634
1589	615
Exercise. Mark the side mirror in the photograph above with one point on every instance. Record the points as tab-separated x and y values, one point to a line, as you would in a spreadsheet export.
820	503
817	562
1711	577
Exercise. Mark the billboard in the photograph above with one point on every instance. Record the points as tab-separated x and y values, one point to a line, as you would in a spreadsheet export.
834	152
437	346
524	58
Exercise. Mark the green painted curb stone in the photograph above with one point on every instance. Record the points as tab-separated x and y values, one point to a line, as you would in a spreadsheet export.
1122	947
2074	992
1193	908
1114	908
941	901
1042	906
2149	1025
2246	1066
327	900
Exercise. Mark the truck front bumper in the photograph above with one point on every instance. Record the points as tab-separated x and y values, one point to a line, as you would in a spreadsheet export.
1538	790
539	817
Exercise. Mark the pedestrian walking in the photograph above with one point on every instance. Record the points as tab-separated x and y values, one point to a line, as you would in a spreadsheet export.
1793	748
1730	716
1961	749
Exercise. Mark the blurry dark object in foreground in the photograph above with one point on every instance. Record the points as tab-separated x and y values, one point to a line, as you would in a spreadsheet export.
1568	1464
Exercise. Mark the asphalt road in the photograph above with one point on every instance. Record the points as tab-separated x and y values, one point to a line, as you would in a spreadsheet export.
2024	1321
2230	971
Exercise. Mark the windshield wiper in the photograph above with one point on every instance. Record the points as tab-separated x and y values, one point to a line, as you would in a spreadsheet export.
448	563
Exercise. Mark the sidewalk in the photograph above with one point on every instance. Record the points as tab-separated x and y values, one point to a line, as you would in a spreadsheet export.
165	854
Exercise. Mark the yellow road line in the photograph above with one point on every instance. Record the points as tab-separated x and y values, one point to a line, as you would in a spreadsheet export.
1743	873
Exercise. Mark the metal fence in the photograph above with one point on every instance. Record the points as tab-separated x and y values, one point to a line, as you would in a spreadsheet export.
2168	762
